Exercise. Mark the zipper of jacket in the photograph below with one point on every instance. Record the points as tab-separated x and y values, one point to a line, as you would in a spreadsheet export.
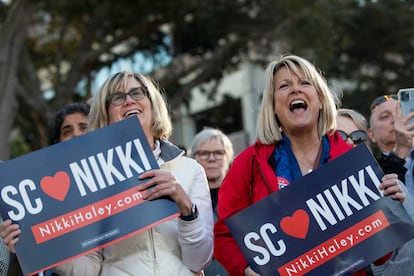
154	255
269	189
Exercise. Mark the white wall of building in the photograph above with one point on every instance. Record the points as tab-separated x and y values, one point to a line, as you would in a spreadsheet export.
247	84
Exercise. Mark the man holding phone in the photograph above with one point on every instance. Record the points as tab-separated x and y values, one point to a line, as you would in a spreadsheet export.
394	137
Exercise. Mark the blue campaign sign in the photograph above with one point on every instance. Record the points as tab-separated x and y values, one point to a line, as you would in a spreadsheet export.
80	195
332	221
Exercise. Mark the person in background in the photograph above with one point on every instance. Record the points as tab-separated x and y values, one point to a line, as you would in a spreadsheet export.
296	135
393	135
69	122
181	246
214	151
353	128
350	122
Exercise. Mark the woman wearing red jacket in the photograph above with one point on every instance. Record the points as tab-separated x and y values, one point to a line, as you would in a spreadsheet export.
296	134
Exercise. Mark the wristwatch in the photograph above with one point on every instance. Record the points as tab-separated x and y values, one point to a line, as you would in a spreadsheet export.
193	214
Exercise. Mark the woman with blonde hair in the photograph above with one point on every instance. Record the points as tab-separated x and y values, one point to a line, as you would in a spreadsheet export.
352	126
296	135
181	246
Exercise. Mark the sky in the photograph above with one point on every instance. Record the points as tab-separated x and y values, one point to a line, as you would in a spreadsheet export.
139	63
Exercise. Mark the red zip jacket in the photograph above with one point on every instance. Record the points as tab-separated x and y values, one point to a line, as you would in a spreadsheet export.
250	179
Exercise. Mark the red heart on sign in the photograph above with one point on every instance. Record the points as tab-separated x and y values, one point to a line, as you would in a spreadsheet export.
297	225
56	186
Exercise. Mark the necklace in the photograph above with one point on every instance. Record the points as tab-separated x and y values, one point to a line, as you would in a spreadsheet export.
306	168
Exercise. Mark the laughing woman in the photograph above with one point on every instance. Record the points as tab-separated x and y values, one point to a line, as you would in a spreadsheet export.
181	246
296	134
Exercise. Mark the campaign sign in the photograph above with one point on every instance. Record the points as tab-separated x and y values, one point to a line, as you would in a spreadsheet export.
332	221
80	195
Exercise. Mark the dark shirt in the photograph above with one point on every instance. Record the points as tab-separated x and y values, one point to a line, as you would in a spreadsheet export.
214	197
391	163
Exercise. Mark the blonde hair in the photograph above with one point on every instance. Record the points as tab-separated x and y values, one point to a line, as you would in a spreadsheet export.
268	128
98	116
358	119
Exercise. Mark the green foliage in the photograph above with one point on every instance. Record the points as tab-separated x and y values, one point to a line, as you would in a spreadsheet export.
367	44
378	55
18	147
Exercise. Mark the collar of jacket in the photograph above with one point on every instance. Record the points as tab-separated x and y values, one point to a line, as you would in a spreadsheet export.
169	151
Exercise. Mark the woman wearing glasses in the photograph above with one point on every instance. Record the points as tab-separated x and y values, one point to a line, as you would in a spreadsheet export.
181	246
352	126
214	151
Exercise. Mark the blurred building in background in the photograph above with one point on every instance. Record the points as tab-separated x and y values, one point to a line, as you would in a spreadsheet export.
233	109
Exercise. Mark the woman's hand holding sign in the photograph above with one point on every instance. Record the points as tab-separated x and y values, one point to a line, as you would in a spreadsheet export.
10	234
163	183
296	135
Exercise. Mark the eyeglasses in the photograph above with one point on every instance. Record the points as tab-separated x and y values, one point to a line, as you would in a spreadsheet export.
357	136
205	154
382	99
137	94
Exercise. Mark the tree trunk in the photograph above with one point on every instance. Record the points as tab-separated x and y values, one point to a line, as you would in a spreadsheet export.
13	33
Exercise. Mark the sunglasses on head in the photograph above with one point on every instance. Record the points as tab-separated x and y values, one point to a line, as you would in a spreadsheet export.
382	99
357	136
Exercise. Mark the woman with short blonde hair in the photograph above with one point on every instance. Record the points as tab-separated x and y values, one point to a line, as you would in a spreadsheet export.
268	126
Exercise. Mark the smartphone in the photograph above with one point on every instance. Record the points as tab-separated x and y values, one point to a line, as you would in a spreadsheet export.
406	98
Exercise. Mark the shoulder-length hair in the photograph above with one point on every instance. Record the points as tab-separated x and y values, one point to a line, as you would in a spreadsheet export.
268	128
98	117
